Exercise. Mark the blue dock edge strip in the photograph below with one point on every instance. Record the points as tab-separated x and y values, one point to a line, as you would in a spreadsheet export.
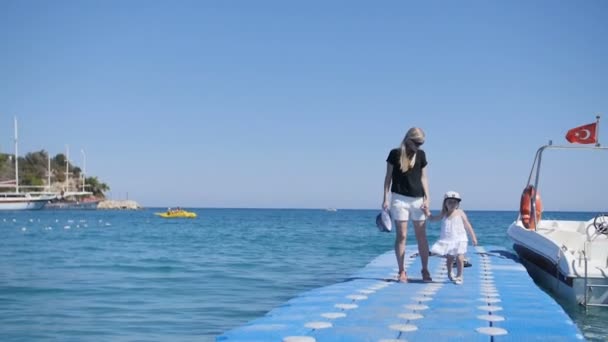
497	302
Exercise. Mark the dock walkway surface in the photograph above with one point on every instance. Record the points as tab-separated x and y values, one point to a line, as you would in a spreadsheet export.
497	302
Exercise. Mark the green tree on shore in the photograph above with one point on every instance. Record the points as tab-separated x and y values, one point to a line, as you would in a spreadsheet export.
96	187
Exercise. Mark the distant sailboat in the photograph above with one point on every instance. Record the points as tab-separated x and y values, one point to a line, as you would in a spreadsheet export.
21	200
331	209
74	199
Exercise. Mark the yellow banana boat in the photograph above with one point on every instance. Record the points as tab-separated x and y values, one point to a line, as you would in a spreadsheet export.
177	214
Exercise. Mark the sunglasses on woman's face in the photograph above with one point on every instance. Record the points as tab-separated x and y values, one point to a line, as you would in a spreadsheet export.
417	143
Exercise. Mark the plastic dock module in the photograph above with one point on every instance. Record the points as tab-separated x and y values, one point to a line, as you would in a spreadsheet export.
497	302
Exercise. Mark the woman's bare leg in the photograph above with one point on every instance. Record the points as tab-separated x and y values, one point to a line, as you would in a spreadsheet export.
423	248
400	237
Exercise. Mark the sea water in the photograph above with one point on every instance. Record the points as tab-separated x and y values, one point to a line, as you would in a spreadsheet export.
130	275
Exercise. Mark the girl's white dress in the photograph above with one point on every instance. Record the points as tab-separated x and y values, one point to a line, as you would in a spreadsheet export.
453	239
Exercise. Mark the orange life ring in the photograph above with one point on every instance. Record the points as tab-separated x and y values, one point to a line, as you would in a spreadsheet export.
525	207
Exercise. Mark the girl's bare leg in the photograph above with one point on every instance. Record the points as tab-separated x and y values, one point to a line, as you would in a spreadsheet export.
448	263
460	265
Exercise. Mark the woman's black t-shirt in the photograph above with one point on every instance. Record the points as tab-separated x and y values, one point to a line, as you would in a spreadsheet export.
407	183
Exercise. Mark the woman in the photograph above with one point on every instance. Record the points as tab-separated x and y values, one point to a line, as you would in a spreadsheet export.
407	183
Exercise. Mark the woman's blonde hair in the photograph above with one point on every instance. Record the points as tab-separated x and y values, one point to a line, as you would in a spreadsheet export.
407	162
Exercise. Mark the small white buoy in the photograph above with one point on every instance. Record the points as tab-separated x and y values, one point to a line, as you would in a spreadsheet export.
490	308
422	299
318	325
490	300
492	331
333	315
410	316
346	306
417	307
491	318
403	327
299	339
366	291
356	297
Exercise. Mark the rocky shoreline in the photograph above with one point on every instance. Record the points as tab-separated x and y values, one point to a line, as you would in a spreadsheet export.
118	204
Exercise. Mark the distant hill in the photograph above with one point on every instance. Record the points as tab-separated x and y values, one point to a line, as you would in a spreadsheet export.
33	169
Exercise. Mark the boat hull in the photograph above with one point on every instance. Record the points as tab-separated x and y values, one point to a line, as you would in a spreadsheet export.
568	289
557	269
22	204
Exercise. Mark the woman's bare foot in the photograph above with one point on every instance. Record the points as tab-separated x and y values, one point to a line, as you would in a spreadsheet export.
426	276
402	277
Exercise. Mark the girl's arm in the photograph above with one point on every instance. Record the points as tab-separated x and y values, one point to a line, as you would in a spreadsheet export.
468	227
431	217
387	185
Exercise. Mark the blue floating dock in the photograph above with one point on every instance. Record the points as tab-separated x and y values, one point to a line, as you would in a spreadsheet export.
497	302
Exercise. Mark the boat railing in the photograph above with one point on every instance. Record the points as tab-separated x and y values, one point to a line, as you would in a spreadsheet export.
534	177
589	287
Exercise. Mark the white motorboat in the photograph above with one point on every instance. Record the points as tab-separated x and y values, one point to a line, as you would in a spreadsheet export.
569	258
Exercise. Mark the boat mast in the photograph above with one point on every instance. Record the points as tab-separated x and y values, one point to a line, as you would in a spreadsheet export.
16	159
84	168
48	173
67	168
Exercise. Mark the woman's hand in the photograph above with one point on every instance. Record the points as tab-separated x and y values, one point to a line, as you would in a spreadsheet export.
425	204
474	241
385	205
427	213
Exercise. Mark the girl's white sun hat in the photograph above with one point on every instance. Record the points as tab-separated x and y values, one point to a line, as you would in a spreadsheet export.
452	194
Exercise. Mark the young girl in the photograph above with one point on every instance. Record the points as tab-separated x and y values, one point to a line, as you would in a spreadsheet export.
453	240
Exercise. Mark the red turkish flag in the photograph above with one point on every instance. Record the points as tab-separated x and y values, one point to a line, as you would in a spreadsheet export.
583	135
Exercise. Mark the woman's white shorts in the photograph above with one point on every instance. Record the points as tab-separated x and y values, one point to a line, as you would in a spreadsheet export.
405	208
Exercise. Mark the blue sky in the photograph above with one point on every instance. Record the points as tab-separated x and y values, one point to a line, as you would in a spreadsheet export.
289	104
